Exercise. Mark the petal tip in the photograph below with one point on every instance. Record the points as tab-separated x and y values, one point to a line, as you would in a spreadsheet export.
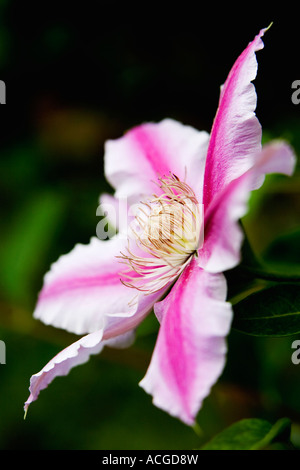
26	406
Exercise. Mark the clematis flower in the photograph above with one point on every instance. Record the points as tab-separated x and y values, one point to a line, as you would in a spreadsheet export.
191	188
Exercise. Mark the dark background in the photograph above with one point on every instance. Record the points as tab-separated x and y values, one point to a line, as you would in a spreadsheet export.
77	75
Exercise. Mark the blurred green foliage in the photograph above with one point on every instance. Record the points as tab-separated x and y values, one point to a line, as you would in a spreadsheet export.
253	434
74	80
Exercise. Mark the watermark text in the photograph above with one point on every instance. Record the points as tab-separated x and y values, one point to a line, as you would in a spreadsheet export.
296	354
2	92
296	94
2	352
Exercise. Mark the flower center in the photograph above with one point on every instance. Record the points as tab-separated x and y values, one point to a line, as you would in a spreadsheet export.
166	231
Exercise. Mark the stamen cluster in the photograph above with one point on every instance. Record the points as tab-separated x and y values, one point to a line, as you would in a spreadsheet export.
166	232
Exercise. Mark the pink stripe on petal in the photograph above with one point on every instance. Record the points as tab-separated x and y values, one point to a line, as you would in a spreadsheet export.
151	150
67	286
189	355
84	286
236	132
146	138
115	332
223	235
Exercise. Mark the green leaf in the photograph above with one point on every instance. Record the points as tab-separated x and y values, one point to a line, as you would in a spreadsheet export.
274	311
27	241
265	273
252	434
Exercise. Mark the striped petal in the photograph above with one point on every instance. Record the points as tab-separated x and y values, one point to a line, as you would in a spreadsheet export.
223	235
189	355
83	287
236	133
115	331
151	150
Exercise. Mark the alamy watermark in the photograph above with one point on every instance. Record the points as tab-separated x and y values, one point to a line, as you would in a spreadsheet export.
296	354
2	92
2	352
296	94
148	221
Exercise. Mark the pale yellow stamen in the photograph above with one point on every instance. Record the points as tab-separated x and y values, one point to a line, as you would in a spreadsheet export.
167	230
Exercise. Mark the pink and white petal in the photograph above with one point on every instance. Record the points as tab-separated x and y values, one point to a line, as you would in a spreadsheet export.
84	286
115	332
135	161
190	351
116	326
223	236
236	133
74	355
277	156
122	341
119	332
